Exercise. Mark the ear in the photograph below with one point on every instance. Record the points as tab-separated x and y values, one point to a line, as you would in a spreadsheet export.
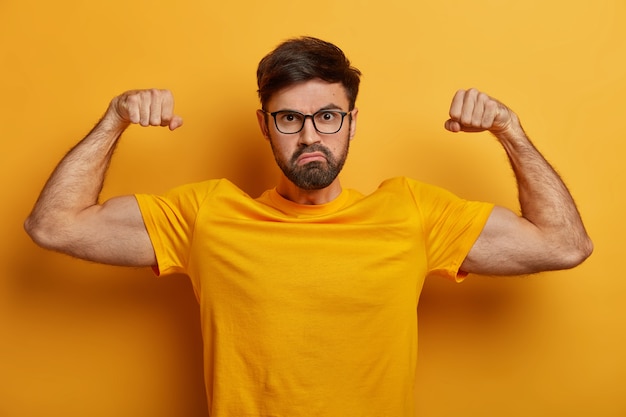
261	117
355	113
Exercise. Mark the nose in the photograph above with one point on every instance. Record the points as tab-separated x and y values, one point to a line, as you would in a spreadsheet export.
308	134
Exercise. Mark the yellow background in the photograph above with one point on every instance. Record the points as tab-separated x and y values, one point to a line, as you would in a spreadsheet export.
78	339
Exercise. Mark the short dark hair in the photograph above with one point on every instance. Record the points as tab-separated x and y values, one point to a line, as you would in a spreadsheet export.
303	59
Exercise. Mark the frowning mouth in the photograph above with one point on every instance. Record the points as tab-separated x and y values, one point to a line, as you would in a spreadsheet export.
311	153
307	157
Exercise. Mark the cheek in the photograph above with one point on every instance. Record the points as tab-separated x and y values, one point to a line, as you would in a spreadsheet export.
281	148
339	148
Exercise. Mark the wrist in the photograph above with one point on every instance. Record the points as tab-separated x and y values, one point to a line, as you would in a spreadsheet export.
112	122
511	131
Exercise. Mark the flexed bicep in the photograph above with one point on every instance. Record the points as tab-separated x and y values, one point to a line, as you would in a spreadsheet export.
549	234
510	244
67	216
112	233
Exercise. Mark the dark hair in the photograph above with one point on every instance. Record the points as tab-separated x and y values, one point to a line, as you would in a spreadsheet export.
303	59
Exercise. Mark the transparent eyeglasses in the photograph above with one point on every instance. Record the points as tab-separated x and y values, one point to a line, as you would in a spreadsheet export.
324	121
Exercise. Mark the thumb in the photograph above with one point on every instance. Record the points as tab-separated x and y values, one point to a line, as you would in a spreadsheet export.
176	122
452	126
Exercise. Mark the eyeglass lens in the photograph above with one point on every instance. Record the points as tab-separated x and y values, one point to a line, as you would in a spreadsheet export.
324	121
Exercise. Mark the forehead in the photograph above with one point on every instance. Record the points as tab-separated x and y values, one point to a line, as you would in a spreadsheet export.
309	96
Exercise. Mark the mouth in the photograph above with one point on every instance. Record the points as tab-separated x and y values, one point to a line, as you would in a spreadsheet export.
307	157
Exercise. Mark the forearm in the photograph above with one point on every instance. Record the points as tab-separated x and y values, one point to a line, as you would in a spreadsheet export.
82	172
76	182
544	199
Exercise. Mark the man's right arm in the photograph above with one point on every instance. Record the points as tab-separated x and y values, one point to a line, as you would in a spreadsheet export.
68	217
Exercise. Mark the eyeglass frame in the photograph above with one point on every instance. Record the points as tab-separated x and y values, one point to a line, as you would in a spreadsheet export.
312	117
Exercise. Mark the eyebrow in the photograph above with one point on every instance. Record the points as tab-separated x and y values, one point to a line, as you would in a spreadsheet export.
330	106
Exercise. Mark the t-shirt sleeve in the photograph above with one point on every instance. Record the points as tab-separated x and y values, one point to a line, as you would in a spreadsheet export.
170	221
451	226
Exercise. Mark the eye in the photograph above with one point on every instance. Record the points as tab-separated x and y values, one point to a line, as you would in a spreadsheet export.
289	117
327	116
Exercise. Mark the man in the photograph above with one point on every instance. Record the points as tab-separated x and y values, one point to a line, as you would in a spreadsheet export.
308	293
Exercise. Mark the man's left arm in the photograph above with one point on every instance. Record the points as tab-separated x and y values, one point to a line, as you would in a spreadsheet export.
549	234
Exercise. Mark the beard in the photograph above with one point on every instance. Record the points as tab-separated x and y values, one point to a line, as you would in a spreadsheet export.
314	175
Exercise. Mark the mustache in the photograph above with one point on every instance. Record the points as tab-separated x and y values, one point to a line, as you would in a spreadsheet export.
316	147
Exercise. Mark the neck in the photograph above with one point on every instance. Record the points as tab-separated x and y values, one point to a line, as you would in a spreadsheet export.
291	192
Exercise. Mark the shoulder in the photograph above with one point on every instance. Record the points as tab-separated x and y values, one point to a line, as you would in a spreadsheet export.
432	199
415	188
193	194
205	187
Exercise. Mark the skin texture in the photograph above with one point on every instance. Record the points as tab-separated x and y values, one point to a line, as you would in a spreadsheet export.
68	217
549	234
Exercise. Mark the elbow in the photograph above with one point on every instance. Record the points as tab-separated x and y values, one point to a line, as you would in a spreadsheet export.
42	233
586	249
577	253
35	231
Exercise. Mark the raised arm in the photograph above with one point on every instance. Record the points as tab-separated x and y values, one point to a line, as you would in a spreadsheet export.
549	234
68	217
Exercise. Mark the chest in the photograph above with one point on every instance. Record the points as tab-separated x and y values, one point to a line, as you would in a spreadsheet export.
259	262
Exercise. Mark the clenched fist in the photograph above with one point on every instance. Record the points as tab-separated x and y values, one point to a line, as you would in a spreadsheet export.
151	107
474	111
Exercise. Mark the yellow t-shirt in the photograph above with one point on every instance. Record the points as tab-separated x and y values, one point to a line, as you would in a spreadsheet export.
310	310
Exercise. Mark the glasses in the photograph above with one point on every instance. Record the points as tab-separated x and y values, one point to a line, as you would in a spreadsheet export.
324	121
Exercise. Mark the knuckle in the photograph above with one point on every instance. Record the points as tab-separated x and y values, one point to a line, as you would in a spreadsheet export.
133	99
